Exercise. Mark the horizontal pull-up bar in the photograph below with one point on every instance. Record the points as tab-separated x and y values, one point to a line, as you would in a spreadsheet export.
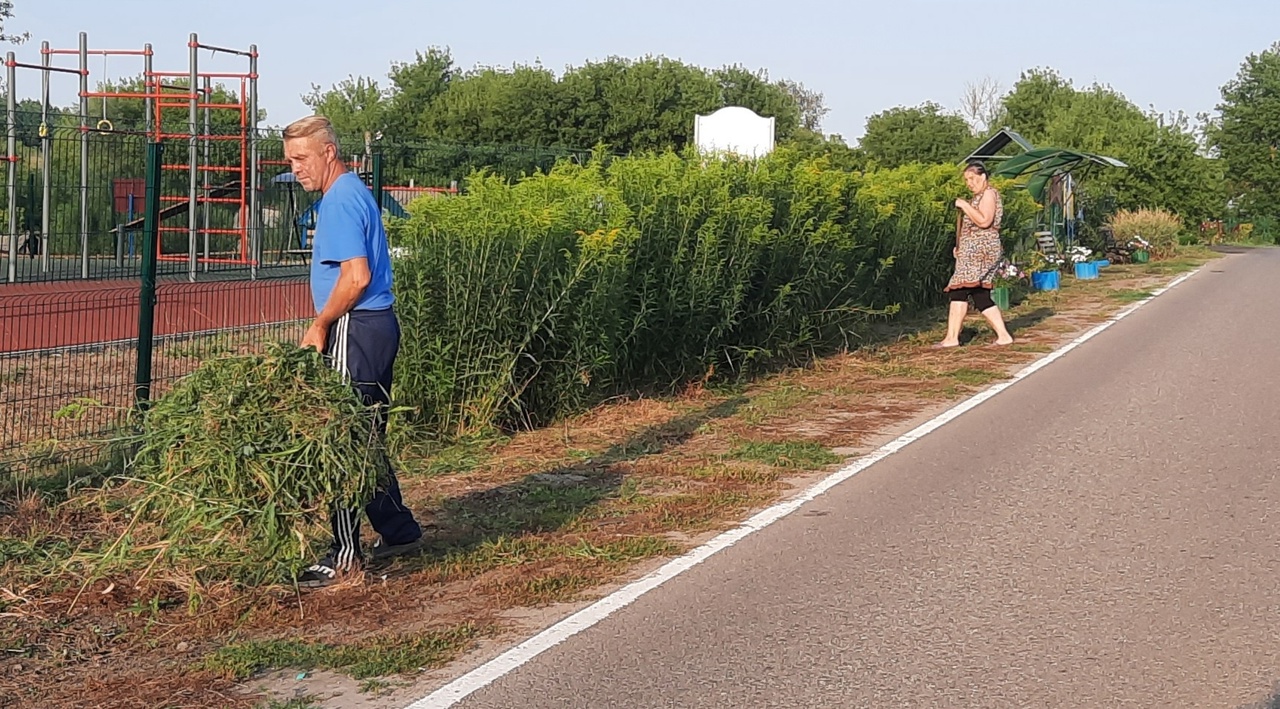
176	87
224	50
102	52
59	69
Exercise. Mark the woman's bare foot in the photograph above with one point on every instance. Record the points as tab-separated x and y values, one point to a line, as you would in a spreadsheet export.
1003	343
944	345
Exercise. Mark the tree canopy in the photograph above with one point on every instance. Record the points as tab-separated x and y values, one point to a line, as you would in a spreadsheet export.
1247	134
624	104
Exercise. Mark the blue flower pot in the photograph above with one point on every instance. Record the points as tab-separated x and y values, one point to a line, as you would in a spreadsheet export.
1045	280
1086	271
1103	263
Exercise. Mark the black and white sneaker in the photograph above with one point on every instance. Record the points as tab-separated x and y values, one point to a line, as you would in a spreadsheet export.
382	551
322	573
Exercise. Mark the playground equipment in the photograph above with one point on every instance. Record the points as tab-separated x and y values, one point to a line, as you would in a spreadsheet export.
236	183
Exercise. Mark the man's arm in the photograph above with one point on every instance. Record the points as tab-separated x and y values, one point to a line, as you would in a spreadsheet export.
353	278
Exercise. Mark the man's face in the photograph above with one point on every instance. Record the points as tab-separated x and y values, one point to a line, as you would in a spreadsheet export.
310	159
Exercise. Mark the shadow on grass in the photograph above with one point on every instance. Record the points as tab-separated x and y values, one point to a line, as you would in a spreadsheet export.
55	482
1031	319
553	499
1023	321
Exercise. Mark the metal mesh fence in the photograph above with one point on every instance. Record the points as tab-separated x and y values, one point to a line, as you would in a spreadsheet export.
229	277
69	357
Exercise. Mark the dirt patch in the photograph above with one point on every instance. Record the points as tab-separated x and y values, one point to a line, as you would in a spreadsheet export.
527	530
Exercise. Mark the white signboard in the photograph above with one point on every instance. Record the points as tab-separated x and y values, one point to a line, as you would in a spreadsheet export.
734	129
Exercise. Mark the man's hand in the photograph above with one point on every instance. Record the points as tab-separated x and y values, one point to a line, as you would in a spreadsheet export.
315	337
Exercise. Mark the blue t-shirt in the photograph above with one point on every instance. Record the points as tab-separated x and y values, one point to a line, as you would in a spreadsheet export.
349	225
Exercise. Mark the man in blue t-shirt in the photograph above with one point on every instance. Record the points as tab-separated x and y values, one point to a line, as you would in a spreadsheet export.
355	327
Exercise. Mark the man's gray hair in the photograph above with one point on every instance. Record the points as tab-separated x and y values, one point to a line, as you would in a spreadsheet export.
317	126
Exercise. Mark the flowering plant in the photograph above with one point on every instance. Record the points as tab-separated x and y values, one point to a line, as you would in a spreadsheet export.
1137	242
1038	261
1009	275
1080	254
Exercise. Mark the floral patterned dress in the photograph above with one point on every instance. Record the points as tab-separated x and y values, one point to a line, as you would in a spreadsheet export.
979	252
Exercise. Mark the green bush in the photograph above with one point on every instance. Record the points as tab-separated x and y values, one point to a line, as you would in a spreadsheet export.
522	302
1158	227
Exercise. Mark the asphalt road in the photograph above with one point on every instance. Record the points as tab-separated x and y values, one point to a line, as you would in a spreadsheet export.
1103	533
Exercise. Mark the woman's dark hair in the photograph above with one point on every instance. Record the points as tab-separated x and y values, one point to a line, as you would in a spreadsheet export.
977	167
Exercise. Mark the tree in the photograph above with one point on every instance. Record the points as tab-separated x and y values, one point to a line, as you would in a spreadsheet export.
921	134
1039	95
980	104
1164	166
1247	134
641	104
489	106
6	14
740	86
355	106
811	104
415	87
635	105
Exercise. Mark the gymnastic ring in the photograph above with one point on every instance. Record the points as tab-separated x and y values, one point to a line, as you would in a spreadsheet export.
106	123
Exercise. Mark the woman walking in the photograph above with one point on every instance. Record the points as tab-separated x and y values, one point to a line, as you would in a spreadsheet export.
978	255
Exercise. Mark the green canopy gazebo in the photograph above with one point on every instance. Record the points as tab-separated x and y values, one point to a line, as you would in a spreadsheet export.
1052	174
1046	163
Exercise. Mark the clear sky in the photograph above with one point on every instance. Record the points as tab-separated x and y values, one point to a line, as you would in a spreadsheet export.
864	57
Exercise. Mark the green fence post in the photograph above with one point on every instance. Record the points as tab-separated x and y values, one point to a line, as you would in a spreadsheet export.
147	300
377	180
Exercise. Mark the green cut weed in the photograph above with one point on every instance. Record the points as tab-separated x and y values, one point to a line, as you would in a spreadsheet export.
238	466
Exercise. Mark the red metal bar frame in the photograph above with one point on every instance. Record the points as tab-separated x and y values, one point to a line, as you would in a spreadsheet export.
188	136
183	257
187	104
182	97
203	168
211	75
130	94
184	230
200	200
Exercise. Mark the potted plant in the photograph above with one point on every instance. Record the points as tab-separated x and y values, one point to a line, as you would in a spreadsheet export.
1082	260
1044	270
1009	279
1141	249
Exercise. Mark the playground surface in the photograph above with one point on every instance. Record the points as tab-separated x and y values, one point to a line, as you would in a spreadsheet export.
60	314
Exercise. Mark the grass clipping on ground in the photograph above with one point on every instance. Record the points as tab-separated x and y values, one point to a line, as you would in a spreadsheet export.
239	464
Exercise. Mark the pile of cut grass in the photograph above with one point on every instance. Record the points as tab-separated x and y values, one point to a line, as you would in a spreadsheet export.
238	466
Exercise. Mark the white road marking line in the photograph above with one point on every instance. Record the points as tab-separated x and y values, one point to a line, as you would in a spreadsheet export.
462	687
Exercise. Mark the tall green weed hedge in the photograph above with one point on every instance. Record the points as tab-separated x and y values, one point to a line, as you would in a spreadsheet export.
521	302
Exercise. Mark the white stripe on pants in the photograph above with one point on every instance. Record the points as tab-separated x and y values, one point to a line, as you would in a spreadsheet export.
346	522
